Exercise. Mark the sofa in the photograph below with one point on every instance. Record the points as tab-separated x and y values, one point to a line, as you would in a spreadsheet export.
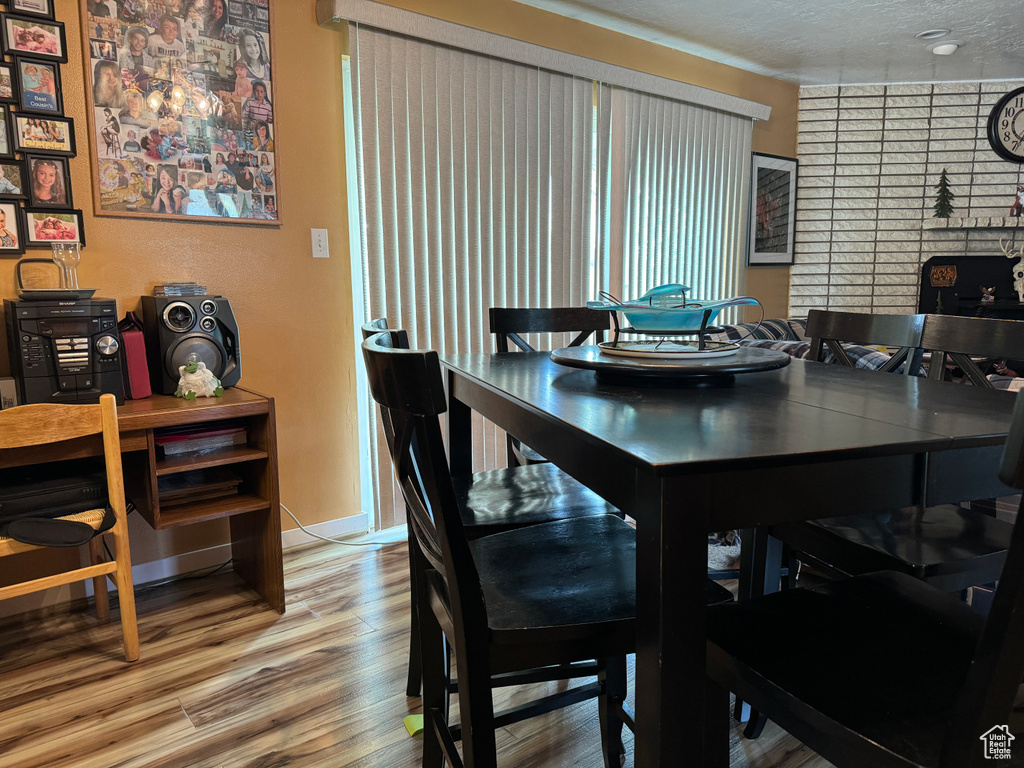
789	336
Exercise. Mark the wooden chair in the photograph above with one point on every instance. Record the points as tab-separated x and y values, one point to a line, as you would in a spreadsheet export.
959	339
25	428
950	546
543	493
880	669
828	329
515	606
508	323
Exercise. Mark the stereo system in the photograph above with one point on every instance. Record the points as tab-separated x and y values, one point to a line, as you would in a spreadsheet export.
179	326
64	351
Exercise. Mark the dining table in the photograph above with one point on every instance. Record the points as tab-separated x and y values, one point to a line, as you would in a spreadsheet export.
687	457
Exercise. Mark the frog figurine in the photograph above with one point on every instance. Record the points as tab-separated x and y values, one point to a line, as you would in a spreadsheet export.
197	380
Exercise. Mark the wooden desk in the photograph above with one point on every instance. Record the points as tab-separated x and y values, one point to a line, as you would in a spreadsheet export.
254	513
808	441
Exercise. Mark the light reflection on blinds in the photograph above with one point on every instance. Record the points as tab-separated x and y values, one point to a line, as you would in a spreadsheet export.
488	183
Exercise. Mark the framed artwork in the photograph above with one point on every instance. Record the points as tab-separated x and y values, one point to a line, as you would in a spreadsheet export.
44	228
772	210
49	182
6	145
8	84
39	86
11	230
182	122
12	180
39	37
44	135
41	8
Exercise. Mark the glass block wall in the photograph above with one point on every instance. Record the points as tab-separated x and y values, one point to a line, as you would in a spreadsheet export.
870	159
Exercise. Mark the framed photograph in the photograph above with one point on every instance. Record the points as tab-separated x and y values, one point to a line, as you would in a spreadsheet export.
41	8
44	135
49	182
6	145
44	228
182	122
8	83
43	38
13	180
772	210
12	241
39	86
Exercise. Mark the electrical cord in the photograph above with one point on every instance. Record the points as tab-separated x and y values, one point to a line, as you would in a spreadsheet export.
334	541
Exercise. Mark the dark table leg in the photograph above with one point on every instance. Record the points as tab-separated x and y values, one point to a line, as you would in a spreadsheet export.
458	425
672	526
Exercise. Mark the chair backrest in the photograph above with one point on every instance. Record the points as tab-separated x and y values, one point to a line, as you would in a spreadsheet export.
828	328
995	676
507	323
45	423
372	327
408	386
958	338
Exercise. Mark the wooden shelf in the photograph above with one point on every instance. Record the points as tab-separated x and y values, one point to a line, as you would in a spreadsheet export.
975	222
186	462
187	514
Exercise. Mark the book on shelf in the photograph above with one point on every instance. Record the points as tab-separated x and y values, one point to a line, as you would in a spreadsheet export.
198	485
200	438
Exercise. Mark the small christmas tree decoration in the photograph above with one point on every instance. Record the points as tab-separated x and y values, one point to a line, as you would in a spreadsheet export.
944	200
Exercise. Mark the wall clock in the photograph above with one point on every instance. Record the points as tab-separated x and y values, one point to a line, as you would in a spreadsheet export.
1006	126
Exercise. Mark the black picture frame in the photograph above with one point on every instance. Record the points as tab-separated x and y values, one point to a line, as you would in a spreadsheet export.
10	21
13	221
30	100
29	8
7	147
13	173
64	147
772	210
31	215
63	176
12	74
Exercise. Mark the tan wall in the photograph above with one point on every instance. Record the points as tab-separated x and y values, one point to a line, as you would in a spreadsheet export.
295	312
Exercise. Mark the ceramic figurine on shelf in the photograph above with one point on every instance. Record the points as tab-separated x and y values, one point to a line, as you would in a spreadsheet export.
988	294
1017	209
197	381
1018	268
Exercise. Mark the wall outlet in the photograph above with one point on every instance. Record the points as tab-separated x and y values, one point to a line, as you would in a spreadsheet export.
320	248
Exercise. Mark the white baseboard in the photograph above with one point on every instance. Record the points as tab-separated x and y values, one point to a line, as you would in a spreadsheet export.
170	567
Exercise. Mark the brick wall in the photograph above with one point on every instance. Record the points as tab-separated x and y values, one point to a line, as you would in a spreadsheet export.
870	158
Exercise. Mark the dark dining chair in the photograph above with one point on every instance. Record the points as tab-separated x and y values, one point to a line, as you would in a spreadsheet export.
880	669
951	546
495	501
514	606
830	330
509	324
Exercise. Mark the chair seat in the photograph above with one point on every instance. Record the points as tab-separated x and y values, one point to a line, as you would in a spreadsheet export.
94	518
949	546
504	499
556	576
817	645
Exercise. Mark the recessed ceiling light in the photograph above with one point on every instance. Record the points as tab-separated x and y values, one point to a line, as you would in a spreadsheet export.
931	34
945	49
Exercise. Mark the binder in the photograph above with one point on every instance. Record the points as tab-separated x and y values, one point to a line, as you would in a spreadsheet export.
134	369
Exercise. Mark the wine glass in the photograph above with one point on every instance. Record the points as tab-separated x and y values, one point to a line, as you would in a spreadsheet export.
67	256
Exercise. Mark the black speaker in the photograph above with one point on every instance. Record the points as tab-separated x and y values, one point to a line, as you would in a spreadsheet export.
178	326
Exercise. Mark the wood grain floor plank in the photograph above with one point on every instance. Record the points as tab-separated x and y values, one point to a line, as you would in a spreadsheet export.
223	682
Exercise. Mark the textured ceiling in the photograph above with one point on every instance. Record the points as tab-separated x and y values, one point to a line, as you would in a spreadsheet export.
825	42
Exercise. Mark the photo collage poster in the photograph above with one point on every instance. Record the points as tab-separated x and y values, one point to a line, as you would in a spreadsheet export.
182	108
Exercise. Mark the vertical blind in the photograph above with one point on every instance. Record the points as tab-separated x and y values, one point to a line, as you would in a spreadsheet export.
483	182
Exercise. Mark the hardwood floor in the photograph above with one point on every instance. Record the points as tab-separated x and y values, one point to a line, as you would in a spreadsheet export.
223	682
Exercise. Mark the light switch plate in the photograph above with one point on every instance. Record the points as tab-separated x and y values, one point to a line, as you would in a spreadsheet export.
320	247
